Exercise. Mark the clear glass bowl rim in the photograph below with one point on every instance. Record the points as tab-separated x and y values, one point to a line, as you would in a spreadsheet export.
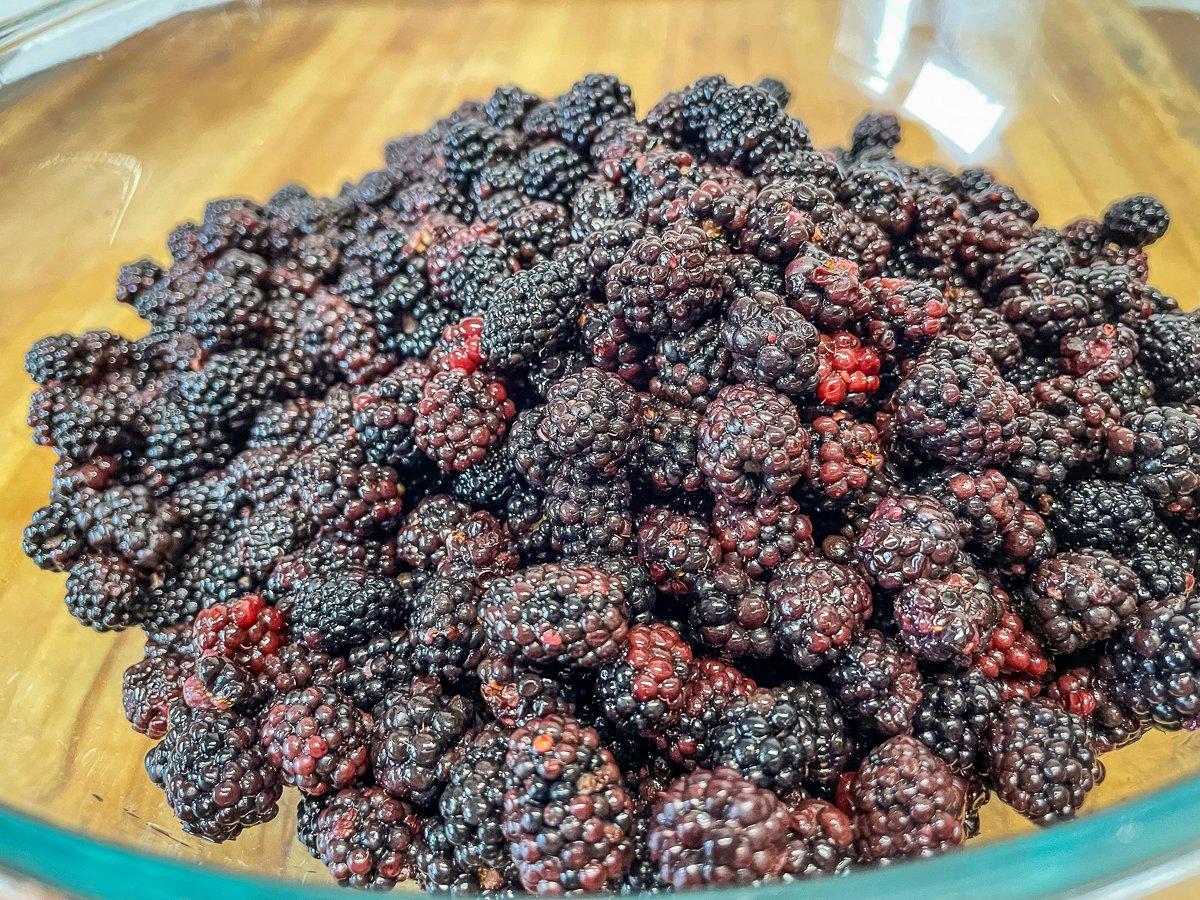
1129	847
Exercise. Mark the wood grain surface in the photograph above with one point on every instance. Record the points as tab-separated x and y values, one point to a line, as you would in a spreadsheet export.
100	158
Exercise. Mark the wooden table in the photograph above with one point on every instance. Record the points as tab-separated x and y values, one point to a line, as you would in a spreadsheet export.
102	157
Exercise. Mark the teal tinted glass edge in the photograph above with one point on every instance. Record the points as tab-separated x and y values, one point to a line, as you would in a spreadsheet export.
1119	841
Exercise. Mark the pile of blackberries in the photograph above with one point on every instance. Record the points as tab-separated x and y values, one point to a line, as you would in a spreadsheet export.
588	502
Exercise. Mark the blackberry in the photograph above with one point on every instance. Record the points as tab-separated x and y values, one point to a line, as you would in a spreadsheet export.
1165	567
81	359
761	537
667	282
865	244
826	289
717	828
472	804
1090	693
947	619
877	193
875	132
342	607
317	738
591	420
907	803
465	272
1169	348
107	593
1013	657
778	224
731	614
1163	446
515	693
752	442
552	172
468	147
588	516
150	687
216	779
642	689
908	537
508	106
307	811
691	368
818	607
365	838
1136	221
535	231
269	534
414	728
52	539
676	548
460	417
574	616
905	315
665	459
567	817
1043	310
745	127
610	344
1046	457
953	717
1153	663
591	102
246	631
1088	413
444	628
822	840
377	667
960	411
771	343
1042	762
421	542
345	493
711	686
409	318
384	414
219	683
1133	391
1078	598
1102	352
207	572
1107	515
294	667
877	683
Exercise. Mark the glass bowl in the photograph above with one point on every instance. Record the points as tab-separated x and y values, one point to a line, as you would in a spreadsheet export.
118	119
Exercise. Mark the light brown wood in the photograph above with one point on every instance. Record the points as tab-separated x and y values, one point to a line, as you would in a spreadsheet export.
100	158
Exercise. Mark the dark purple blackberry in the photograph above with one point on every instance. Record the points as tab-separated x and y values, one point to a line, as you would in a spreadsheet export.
589	103
220	683
642	689
954	715
508	106
759	537
307	811
1042	310
1160	449
472	804
731	614
525	513
987	238
552	172
317	738
994	196
595	207
415	727
1106	515
344	606
877	683
822	840
421	541
461	415
365	838
377	667
588	515
691	368
665	459
1042	761
676	548
610	344
1090	693
1136	221
752	442
875	132
107	593
818	607
269	534
535	231
346	494
1088	413
876	192
1079	598
469	147
949	618
778	223
667	282
1169	348
711	687
908	537
905	315
515	693
960	411
1102	352
216	779
81	359
553	614
591	420
385	412
1152	663
717	828
81	424
865	244
826	289
771	343
567	817
294	667
207	572
52	538
150	687
1046	458
907	803
409	318
745	127
466	271
1165	566
444	627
